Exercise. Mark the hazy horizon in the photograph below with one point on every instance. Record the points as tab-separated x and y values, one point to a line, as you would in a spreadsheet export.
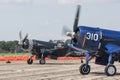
44	19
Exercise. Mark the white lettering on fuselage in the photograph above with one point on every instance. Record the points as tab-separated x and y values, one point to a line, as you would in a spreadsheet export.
92	36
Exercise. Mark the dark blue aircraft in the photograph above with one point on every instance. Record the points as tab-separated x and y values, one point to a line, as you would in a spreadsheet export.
102	43
42	49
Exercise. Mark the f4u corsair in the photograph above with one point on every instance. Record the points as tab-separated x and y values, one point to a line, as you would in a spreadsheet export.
102	43
42	49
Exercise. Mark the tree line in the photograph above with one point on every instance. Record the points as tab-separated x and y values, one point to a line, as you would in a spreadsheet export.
10	47
13	47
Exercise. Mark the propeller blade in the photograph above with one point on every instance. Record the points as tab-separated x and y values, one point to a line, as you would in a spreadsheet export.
65	30
76	18
25	37
20	36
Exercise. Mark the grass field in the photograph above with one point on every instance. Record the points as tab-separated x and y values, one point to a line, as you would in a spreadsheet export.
14	54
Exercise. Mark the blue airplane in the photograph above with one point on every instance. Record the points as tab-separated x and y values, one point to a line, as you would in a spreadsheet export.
102	43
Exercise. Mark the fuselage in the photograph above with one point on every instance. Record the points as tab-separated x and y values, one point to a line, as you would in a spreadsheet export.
89	37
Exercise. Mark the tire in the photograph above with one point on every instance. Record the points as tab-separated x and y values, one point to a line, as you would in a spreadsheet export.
110	70
42	61
29	61
84	69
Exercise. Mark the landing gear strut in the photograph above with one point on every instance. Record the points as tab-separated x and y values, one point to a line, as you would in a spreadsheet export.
85	68
110	69
42	60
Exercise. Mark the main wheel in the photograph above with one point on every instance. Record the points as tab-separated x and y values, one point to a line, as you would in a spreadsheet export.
29	61
42	61
110	70
84	69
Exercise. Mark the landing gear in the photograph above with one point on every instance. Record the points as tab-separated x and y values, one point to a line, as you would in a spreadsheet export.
84	69
42	61
30	61
110	70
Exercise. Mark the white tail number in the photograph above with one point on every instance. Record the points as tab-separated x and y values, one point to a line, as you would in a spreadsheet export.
92	36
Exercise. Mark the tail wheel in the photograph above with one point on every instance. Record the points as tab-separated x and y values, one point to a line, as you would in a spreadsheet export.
29	61
84	69
110	70
42	61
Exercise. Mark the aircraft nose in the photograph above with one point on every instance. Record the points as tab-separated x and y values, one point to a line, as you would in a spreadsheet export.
28	44
25	44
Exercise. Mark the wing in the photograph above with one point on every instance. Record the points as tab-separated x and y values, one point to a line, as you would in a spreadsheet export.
112	48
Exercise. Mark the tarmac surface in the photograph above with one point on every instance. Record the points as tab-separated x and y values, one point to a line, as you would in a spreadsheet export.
53	70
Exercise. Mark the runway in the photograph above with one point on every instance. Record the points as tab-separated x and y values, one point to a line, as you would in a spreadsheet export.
53	70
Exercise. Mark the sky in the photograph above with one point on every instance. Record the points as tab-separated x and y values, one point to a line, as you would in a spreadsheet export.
44	19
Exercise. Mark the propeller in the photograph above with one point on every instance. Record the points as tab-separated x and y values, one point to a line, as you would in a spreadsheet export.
25	37
20	36
76	19
66	31
21	41
25	43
